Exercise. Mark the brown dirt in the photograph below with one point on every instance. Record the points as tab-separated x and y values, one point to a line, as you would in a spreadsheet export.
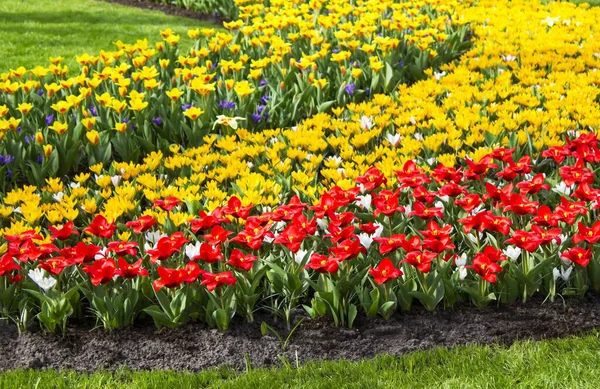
195	347
170	10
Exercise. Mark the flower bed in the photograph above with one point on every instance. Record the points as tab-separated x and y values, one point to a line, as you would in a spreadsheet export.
435	237
475	184
139	99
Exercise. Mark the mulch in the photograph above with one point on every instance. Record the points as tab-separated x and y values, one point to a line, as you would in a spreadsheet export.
195	347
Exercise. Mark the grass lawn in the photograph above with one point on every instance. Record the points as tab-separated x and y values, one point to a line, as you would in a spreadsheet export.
33	30
566	363
591	2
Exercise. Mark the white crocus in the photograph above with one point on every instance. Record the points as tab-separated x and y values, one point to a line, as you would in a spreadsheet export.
115	180
58	196
461	262
302	255
365	240
512	252
192	250
393	139
39	277
563	189
366	123
563	273
364	201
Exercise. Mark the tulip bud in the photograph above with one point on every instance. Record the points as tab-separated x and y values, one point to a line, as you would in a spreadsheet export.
209	64
39	138
121	127
164	63
343	70
47	150
93	137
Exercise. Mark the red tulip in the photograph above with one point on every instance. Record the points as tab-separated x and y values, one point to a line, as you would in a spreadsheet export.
323	264
372	179
486	268
123	248
63	232
130	270
101	227
384	272
101	271
240	260
213	281
578	255
167	204
421	260
142	224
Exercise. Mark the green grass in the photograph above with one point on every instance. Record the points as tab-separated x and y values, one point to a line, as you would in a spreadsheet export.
591	2
567	363
31	31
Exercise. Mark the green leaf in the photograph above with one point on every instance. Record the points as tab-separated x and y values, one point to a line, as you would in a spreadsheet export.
352	312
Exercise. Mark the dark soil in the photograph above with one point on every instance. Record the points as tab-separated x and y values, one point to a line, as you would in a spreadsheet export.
195	347
171	10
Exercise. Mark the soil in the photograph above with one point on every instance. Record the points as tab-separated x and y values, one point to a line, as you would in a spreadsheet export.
171	10
195	347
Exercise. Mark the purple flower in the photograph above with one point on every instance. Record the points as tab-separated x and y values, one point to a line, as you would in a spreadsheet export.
264	99
227	104
368	91
9	174
350	89
6	159
19	130
185	107
29	138
256	117
93	110
157	120
40	92
40	159
49	119
263	82
401	64
335	51
261	108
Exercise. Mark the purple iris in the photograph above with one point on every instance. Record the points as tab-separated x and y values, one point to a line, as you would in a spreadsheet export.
9	174
157	120
256	117
401	64
263	82
185	107
49	119
261	108
40	159
350	89
93	110
227	104
264	99
6	159
40	92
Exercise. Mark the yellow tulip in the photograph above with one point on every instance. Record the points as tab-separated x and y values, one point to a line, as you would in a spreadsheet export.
93	137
